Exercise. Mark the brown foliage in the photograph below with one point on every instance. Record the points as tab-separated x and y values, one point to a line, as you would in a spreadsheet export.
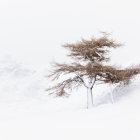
93	53
123	76
94	50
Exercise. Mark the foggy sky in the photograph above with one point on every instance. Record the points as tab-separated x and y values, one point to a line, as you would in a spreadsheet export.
33	30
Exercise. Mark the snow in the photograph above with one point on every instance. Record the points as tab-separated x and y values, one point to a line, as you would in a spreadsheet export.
31	33
27	112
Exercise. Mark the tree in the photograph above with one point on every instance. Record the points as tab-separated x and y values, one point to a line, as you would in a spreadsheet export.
90	64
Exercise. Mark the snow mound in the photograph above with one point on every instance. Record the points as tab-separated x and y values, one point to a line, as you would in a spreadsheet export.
17	80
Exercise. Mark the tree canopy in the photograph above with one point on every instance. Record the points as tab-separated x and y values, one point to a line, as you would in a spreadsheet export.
90	64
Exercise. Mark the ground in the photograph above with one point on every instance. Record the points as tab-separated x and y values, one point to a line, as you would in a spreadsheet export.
28	113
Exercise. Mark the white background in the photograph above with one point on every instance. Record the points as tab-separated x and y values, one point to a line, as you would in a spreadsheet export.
31	35
34	30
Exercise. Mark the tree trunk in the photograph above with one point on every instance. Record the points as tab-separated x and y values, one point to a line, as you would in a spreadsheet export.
89	98
89	93
111	95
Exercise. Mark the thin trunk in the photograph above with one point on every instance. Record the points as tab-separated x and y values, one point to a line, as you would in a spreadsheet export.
89	93
111	96
89	98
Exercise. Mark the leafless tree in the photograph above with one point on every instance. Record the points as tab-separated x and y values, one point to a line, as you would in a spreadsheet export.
90	64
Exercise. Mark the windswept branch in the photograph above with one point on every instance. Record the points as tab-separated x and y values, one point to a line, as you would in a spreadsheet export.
65	69
113	75
69	84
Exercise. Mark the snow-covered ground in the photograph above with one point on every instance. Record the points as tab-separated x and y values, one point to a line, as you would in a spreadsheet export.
28	113
31	33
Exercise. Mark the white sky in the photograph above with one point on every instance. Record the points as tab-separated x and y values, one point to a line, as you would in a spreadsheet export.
33	30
